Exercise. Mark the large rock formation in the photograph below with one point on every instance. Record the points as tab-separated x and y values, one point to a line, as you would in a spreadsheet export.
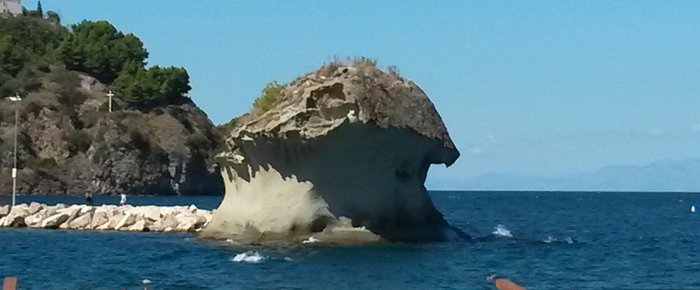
341	157
70	144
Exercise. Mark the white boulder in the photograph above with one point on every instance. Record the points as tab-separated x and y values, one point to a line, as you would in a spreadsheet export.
54	221
81	222
99	219
4	210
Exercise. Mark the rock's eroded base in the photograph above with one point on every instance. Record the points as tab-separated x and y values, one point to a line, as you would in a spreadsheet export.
106	217
354	185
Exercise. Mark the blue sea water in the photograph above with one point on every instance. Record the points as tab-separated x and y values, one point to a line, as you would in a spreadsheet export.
542	240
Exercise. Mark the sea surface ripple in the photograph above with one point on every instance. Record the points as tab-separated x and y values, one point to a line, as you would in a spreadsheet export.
542	240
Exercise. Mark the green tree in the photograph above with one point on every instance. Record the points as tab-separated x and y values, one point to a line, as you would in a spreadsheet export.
39	10
99	49
26	51
12	56
146	88
270	96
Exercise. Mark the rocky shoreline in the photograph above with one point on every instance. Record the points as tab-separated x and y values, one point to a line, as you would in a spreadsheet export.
105	217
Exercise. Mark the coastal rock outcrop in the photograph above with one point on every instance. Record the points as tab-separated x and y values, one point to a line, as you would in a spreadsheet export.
73	145
340	157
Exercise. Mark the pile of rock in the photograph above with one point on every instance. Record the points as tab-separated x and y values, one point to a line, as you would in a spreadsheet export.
106	217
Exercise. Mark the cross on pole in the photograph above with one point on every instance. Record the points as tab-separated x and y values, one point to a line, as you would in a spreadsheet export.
110	95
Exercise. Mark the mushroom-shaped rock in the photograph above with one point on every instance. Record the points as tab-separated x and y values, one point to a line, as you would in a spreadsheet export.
344	141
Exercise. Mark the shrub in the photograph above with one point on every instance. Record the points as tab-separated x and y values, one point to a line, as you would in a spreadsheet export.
271	96
140	142
78	141
65	85
364	62
197	143
44	163
225	129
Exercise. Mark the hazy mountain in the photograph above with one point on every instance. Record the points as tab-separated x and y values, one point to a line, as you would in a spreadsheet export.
677	175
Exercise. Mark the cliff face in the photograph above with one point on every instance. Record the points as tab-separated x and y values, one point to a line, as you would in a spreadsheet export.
342	157
70	144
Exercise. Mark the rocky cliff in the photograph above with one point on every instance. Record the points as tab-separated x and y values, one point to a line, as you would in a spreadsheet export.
341	156
70	144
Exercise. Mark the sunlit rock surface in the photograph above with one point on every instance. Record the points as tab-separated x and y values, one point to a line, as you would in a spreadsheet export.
342	158
106	217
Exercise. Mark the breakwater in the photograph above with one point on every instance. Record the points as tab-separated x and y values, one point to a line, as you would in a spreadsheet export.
106	217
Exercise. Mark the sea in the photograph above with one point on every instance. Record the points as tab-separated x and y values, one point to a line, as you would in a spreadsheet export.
540	240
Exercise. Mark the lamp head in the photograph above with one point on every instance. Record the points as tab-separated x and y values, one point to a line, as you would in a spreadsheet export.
16	98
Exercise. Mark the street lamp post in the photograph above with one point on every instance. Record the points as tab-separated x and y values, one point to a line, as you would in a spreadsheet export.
16	100
110	95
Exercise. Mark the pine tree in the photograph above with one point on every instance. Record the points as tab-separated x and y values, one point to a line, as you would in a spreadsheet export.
39	10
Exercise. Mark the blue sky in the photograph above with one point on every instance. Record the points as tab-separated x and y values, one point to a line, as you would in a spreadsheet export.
540	87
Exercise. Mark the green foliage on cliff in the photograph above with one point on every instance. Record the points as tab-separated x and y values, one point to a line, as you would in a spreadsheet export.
270	96
99	49
225	129
67	140
34	52
27	46
153	86
78	141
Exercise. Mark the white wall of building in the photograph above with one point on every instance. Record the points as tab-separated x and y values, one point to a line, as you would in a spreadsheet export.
13	7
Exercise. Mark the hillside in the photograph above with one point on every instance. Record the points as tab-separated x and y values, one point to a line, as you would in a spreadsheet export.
156	140
675	175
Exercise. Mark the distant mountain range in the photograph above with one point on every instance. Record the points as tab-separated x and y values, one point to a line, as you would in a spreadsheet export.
676	175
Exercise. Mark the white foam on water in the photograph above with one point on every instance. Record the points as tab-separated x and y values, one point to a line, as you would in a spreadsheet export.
288	259
248	257
501	230
550	240
311	240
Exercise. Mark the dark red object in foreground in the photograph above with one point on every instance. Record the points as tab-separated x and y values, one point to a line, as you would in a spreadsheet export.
10	283
504	284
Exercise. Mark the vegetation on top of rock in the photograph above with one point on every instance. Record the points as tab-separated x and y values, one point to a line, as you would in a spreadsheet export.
78	141
273	93
100	50
27	46
270	96
31	47
146	88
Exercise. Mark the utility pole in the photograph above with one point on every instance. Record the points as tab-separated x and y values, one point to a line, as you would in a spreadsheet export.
110	95
16	99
